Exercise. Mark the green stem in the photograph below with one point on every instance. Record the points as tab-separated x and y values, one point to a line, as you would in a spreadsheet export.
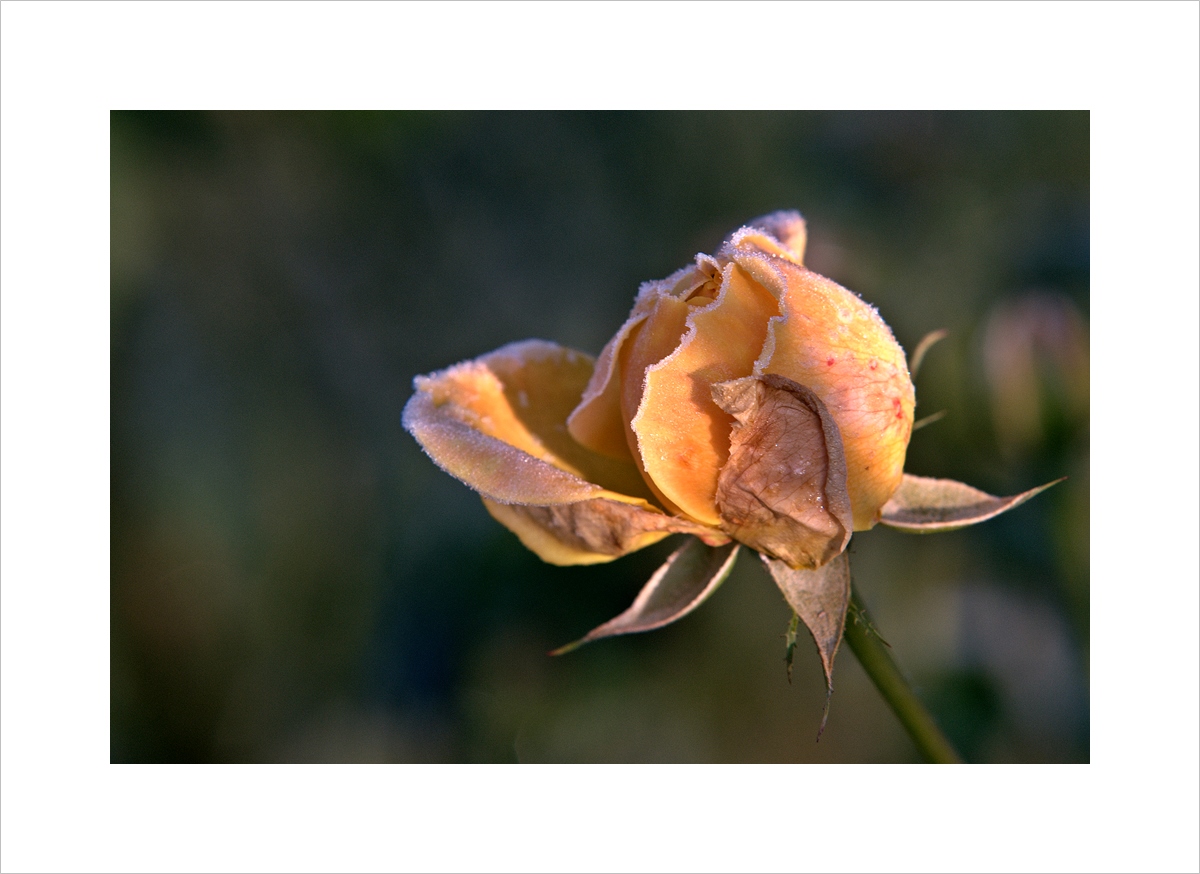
873	655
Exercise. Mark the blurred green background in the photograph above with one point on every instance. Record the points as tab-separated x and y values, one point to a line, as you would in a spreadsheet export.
293	580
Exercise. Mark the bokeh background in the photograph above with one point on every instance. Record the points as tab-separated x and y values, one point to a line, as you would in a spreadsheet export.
293	580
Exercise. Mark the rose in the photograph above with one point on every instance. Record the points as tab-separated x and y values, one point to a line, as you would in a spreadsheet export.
746	400
679	391
751	310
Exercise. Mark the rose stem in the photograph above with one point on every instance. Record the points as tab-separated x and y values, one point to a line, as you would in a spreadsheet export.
873	655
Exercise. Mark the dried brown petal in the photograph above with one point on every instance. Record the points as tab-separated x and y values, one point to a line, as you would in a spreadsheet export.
783	490
820	598
690	575
923	505
590	532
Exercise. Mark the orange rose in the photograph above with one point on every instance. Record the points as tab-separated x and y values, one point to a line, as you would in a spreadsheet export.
746	400
751	310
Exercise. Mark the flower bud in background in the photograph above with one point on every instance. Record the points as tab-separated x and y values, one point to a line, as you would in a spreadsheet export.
1035	350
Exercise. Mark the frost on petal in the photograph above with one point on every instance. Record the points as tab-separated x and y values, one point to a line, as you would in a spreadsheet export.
498	423
690	575
490	466
783	490
597	422
787	235
820	598
923	505
589	532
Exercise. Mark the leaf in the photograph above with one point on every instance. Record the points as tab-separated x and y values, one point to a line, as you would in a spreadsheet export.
923	348
783	489
690	575
922	505
820	598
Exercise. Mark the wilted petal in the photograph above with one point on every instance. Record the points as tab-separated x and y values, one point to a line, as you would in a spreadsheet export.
783	490
682	435
820	598
590	532
498	423
923	505
689	576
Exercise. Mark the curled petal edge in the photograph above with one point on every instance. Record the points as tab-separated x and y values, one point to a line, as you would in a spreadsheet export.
518	394
490	466
530	460
781	233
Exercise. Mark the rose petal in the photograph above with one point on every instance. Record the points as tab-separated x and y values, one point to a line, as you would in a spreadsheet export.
830	340
683	436
690	575
922	505
820	598
598	422
489	466
498	424
785	227
783	490
590	532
